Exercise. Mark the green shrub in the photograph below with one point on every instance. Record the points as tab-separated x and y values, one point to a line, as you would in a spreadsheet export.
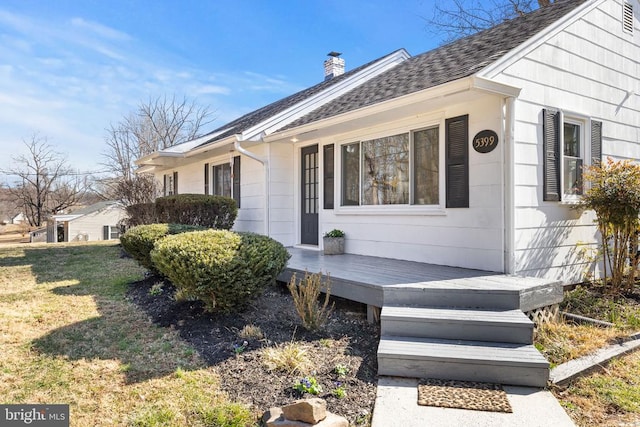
223	269
140	214
614	194
139	241
197	209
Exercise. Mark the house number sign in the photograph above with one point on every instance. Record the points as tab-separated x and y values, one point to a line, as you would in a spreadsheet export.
485	141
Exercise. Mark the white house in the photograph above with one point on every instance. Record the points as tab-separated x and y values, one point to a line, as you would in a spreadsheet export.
467	155
19	219
96	222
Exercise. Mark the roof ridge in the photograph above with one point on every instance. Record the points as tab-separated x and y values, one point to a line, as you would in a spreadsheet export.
452	61
254	117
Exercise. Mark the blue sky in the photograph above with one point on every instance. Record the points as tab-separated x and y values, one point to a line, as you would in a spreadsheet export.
70	68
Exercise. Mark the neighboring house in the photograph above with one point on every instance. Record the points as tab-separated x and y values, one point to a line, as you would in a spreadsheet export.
467	155
19	219
96	222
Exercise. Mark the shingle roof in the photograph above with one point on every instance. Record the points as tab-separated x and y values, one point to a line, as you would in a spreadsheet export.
459	59
255	117
94	208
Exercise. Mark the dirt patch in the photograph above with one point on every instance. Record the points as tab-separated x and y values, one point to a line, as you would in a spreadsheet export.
342	357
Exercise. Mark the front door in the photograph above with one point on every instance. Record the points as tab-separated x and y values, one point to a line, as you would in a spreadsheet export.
309	196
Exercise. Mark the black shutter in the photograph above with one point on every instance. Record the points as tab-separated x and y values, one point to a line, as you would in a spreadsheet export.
206	178
596	142
457	161
328	167
164	184
552	154
175	183
236	180
105	232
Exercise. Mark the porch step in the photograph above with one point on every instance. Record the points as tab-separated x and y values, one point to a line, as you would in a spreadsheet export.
453	296
508	326
503	363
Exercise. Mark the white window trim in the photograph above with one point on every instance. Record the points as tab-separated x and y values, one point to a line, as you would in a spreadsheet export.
395	209
170	188
213	179
585	150
113	228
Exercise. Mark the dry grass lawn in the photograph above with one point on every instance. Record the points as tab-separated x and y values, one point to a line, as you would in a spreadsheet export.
69	336
611	396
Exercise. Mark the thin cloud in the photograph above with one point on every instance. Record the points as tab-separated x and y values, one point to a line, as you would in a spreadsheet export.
211	90
100	30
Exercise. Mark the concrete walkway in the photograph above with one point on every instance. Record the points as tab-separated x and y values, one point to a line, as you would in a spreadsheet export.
396	406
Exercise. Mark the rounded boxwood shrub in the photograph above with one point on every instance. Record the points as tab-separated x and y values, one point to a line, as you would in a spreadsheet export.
223	269
139	241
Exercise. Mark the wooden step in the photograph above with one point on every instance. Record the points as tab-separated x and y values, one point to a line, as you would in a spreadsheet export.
510	326
503	363
445	295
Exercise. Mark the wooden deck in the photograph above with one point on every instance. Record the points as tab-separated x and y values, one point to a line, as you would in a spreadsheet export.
438	321
373	280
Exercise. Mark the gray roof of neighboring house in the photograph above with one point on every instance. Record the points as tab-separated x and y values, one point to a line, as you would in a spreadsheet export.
255	117
461	58
96	207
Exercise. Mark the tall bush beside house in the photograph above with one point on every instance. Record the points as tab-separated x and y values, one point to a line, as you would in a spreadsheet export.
217	212
614	194
223	269
139	241
140	214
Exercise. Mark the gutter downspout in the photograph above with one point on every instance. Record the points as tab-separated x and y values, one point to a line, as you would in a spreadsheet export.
509	184
267	179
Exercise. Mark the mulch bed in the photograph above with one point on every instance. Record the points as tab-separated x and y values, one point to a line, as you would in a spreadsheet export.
347	339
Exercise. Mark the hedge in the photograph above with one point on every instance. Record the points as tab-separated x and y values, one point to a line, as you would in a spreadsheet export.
223	269
139	241
193	209
197	209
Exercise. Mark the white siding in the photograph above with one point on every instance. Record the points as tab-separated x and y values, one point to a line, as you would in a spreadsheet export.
587	69
467	237
251	212
90	227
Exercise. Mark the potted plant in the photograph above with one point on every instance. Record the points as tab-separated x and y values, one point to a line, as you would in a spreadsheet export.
333	242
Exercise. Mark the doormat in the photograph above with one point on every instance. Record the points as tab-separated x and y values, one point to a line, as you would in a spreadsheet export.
463	395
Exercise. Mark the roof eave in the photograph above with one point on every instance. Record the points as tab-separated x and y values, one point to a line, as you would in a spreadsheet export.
444	90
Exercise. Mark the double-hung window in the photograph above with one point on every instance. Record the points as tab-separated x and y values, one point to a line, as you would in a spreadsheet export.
572	157
226	179
570	144
222	180
170	184
401	169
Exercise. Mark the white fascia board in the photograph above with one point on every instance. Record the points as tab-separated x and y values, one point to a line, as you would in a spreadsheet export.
66	217
491	86
145	169
179	150
313	102
525	48
441	91
228	140
149	159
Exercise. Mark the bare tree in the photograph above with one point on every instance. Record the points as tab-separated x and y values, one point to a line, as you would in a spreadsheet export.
46	184
461	18
155	125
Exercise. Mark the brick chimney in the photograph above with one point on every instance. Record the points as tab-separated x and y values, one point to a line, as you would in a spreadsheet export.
333	66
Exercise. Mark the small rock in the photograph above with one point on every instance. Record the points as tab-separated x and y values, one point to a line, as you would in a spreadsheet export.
275	418
310	411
